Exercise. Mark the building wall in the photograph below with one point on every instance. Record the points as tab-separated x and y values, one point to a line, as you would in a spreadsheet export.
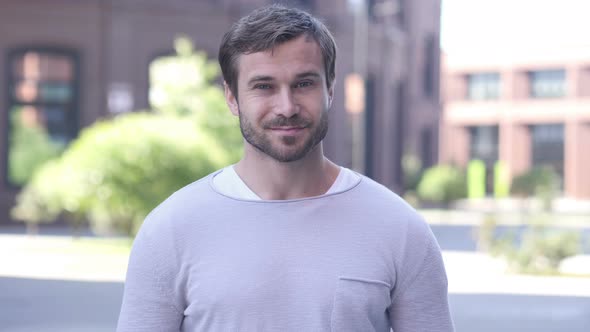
405	111
68	24
515	110
117	39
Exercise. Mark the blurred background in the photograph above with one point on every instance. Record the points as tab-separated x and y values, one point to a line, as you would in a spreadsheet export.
477	112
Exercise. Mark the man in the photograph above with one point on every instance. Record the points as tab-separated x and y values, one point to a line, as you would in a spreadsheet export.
285	240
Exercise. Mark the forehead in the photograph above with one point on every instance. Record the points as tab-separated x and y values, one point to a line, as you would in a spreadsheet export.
302	54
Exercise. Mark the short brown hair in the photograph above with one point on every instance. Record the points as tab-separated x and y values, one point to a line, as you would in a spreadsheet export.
268	27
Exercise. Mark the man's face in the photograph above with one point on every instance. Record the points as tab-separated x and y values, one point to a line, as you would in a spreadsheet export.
283	99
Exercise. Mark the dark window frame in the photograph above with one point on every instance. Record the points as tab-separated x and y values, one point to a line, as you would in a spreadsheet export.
548	147
10	100
477	142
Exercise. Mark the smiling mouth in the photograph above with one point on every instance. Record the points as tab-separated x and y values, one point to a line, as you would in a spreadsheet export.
287	128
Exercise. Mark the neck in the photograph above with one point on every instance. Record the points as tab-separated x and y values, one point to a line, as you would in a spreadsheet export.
273	180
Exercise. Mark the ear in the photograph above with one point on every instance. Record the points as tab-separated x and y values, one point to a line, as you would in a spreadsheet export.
330	96
231	100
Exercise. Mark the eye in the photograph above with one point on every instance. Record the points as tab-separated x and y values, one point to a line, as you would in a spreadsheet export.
262	86
304	84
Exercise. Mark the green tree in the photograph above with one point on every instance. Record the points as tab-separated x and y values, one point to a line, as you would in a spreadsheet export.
183	85
119	169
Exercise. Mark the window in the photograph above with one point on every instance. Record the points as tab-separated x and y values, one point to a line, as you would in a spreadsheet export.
547	83
483	86
484	147
42	113
484	144
548	146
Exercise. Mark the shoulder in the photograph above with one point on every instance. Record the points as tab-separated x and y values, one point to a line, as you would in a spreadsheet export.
180	206
387	211
376	196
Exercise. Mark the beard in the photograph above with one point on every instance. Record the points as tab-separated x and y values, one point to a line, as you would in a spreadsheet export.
285	148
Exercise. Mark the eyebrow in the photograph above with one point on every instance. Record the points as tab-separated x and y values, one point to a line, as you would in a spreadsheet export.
266	78
310	74
260	78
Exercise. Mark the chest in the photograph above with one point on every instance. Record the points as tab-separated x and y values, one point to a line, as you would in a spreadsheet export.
278	275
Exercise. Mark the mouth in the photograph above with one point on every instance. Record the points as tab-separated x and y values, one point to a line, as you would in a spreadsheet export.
287	129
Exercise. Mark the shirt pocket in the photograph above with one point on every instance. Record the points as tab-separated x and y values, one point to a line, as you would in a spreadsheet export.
360	305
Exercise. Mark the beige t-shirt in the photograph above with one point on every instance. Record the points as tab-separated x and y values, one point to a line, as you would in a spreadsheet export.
229	183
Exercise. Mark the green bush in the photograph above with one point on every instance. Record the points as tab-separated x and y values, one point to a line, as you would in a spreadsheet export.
118	170
540	182
534	182
442	184
541	251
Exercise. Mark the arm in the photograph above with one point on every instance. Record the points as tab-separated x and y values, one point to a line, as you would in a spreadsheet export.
420	298
152	300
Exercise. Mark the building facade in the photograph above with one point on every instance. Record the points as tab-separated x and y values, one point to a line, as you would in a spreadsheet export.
525	108
67	63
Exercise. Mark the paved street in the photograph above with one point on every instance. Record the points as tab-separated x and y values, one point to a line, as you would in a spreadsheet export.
462	237
520	313
30	305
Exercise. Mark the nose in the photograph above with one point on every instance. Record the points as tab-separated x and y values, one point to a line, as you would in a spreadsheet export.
286	104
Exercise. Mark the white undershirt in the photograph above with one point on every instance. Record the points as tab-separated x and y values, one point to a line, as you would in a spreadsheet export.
229	183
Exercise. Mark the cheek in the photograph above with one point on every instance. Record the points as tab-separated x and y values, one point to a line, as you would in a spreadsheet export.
252	109
262	103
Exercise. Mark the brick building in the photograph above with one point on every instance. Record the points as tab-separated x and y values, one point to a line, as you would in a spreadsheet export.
67	63
525	107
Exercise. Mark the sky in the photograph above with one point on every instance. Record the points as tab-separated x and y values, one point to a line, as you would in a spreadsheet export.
485	25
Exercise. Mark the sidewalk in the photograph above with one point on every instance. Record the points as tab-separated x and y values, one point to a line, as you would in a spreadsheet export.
52	257
479	273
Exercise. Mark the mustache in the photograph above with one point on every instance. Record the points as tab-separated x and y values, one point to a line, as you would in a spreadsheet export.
281	121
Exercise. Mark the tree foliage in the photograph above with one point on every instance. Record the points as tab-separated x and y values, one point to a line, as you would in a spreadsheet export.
442	184
30	147
119	169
